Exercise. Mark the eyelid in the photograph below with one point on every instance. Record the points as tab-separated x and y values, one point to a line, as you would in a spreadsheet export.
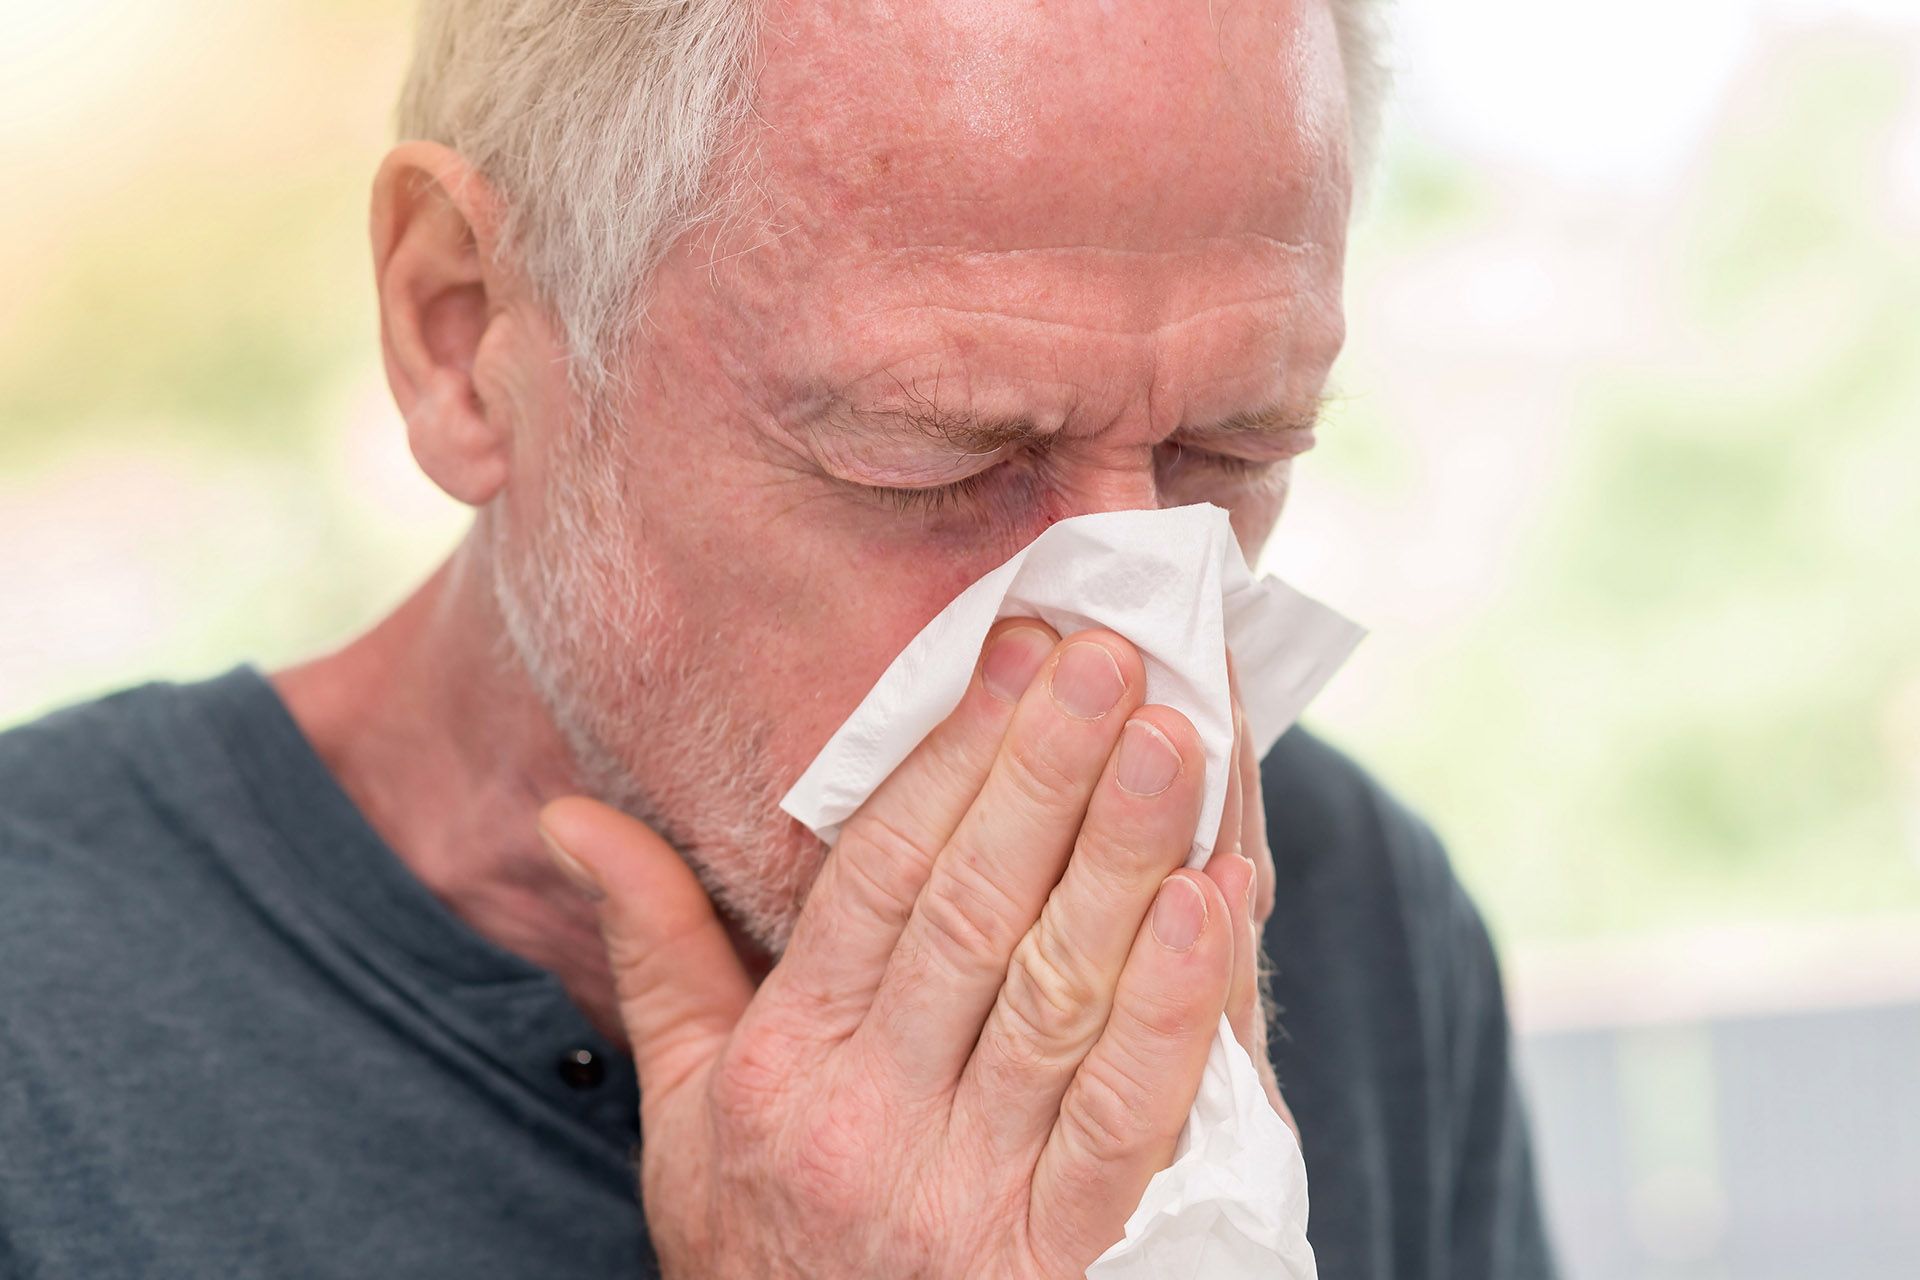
948	472
935	497
927	498
1186	450
1248	447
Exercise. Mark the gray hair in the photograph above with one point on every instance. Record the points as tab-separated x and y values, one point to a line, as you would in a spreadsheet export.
598	122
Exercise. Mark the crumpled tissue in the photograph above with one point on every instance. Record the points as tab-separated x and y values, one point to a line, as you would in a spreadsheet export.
1233	1204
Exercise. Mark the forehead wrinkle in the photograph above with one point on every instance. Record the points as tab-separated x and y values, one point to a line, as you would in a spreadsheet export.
965	252
1046	322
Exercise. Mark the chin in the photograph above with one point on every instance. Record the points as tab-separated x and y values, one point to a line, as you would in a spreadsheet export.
760	887
694	773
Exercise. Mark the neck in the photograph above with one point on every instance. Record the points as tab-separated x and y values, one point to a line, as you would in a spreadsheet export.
437	734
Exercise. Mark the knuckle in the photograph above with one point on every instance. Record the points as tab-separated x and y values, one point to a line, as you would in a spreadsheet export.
1036	776
1054	1002
919	968
1014	1048
956	756
968	918
871	842
1104	1114
1158	1012
1124	861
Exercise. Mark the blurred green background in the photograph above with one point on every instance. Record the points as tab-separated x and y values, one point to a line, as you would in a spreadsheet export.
1644	447
1621	474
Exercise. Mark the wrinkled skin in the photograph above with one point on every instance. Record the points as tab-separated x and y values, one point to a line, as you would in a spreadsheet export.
1121	231
991	1023
989	267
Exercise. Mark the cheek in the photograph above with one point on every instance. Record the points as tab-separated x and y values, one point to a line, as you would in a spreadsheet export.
797	619
856	622
1254	514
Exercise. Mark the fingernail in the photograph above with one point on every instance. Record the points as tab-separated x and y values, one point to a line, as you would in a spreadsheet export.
1087	681
1179	913
570	867
1014	660
1148	763
1253	879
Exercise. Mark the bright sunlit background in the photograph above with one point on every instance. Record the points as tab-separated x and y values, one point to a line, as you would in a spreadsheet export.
1622	475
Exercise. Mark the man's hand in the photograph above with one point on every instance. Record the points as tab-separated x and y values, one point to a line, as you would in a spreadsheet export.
994	1013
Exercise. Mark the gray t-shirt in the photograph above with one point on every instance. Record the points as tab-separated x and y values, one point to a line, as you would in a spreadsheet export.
239	1038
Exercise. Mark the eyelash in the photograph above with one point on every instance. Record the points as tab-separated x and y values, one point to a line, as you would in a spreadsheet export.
940	497
947	496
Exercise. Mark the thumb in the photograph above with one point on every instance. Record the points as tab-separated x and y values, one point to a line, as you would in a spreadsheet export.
680	985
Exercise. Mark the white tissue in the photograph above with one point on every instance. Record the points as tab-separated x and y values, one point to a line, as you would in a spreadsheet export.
1233	1204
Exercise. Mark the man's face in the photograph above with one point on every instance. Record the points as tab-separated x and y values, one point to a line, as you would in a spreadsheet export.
990	266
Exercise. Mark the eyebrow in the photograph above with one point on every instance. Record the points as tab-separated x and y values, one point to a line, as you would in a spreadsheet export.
972	433
1276	419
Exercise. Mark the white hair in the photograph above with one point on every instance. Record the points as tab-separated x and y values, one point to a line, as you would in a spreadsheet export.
598	121
1362	28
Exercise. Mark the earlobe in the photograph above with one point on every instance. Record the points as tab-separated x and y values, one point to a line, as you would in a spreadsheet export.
454	443
433	225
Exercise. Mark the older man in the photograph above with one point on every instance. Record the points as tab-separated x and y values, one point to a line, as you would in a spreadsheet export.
752	335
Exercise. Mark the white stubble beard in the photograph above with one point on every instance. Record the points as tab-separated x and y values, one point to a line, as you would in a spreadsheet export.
623	684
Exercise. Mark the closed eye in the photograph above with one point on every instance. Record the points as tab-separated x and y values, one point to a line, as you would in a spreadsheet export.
1173	458
940	497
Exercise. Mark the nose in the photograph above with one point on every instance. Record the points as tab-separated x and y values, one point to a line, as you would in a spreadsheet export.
1128	483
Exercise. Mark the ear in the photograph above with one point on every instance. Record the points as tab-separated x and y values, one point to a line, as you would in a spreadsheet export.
435	222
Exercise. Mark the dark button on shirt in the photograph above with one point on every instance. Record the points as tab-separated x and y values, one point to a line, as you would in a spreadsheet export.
582	1068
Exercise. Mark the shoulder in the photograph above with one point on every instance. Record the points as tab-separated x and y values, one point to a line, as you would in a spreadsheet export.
1343	836
99	835
1373	938
75	771
1390	1036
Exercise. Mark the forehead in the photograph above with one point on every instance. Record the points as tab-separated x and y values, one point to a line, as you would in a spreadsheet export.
1138	124
1074	189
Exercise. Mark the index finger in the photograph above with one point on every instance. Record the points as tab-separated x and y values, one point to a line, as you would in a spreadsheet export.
865	893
